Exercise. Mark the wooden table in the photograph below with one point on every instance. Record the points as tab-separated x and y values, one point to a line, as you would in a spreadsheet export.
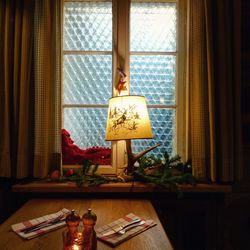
107	210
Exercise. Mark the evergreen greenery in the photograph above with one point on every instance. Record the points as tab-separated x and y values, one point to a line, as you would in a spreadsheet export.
167	172
88	175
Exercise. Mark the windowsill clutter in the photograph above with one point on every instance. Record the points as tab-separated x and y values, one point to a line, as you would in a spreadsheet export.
166	171
151	174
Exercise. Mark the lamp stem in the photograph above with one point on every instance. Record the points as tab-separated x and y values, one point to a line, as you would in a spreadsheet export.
132	158
130	155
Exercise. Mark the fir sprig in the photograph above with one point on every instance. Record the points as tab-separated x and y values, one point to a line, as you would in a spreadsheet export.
88	175
167	172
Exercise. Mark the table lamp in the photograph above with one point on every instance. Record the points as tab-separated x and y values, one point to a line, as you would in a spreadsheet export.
128	119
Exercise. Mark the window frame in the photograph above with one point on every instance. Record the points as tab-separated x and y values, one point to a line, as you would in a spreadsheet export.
120	58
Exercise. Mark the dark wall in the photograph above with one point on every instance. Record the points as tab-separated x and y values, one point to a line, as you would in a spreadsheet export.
9	202
246	88
236	206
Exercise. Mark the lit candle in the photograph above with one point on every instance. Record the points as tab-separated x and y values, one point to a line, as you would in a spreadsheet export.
75	247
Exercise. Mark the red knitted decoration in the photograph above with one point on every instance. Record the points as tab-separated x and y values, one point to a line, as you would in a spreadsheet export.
72	154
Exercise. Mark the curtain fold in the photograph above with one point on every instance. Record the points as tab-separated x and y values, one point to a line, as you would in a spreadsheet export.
201	120
30	92
15	95
227	63
214	90
48	88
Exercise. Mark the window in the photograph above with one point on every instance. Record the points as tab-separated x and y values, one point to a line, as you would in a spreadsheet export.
141	38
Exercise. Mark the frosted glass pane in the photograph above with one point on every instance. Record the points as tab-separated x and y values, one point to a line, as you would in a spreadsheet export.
154	78
153	27
163	126
87	79
88	26
86	126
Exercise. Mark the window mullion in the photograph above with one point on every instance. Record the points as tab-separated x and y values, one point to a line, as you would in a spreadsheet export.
85	106
121	45
137	53
181	94
79	52
121	18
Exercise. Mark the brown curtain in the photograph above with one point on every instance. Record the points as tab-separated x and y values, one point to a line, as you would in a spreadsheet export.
29	88
16	104
47	51
214	89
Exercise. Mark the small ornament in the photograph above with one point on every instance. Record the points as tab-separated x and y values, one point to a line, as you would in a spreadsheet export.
54	175
89	234
71	235
121	84
70	172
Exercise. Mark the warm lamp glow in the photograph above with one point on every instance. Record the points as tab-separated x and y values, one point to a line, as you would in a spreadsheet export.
128	119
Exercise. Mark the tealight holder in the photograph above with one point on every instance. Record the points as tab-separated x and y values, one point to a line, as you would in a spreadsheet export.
72	238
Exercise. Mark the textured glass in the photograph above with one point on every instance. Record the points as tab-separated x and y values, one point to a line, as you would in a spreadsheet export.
163	126
86	126
87	79
154	78
153	27
88	26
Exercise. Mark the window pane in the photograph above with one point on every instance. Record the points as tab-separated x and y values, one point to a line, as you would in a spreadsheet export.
86	126
88	26
154	78
153	27
87	79
163	126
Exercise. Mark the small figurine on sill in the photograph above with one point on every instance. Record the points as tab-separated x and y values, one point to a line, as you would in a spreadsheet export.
89	234
71	237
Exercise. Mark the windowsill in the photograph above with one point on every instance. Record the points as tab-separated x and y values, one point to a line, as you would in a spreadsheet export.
70	187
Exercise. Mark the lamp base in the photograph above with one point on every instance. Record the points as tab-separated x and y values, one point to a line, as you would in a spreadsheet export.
132	158
125	177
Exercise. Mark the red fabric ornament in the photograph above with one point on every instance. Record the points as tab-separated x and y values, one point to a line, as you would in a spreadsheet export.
72	154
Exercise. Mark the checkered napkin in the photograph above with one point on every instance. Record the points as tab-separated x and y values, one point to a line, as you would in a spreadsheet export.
116	239
17	228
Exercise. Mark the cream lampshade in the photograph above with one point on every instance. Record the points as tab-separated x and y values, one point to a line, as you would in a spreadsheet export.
128	119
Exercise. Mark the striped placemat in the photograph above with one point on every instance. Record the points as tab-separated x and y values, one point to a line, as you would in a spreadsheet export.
116	239
19	227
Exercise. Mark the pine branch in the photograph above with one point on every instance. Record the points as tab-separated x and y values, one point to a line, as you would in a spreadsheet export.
168	172
164	175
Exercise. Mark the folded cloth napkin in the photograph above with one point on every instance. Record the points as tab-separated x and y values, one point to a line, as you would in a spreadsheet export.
116	238
19	227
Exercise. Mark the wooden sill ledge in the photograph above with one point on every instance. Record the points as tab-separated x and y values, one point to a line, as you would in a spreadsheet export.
70	187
